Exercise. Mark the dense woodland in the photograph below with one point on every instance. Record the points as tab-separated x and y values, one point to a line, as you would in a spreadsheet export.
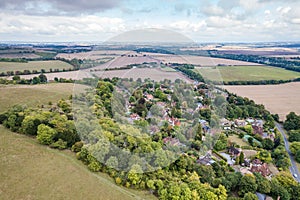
97	138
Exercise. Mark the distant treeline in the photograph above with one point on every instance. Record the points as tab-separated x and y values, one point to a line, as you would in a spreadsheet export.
261	82
153	50
41	79
276	62
188	71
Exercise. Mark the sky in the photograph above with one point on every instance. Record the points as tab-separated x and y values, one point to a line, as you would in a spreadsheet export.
199	20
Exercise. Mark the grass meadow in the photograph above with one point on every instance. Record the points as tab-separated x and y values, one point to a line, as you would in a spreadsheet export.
246	73
34	95
33	171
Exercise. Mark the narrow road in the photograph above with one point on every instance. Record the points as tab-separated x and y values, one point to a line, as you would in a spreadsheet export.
293	168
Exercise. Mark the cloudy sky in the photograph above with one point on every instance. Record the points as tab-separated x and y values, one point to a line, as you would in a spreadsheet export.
200	20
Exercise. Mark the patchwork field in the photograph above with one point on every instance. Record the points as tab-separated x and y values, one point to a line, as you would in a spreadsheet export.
33	95
281	99
246	73
32	171
34	65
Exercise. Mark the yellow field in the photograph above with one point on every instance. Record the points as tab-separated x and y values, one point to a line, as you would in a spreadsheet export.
280	99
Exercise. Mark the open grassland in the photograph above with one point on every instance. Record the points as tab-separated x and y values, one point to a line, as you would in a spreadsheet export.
280	99
33	95
246	73
32	171
34	65
198	60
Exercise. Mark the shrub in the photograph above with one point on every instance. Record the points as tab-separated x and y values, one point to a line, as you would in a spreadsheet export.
77	146
60	144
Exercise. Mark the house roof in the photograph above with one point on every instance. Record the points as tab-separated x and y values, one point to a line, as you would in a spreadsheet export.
234	150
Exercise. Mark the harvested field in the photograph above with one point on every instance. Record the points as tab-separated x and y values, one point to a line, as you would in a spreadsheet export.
135	73
246	73
199	60
281	99
34	65
95	54
19	55
143	73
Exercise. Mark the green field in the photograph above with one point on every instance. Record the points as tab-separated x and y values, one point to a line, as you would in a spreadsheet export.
246	73
33	95
34	65
32	171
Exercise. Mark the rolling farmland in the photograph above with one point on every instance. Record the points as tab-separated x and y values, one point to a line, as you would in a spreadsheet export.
34	65
280	99
246	73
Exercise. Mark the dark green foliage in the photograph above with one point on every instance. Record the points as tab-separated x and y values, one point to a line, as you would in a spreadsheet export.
292	121
247	184
268	144
263	184
294	136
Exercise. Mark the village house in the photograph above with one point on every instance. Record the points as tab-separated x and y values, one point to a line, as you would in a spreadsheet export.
149	97
173	121
205	160
260	167
172	141
240	123
226	124
135	116
234	152
161	104
205	125
270	136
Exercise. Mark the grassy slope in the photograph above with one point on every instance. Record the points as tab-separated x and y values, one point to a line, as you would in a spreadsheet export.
246	73
33	95
34	65
32	171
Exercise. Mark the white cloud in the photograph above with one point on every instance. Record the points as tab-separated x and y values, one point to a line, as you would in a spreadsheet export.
186	26
222	22
59	25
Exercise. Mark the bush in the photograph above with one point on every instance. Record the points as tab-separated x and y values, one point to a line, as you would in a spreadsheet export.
77	146
3	117
60	144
